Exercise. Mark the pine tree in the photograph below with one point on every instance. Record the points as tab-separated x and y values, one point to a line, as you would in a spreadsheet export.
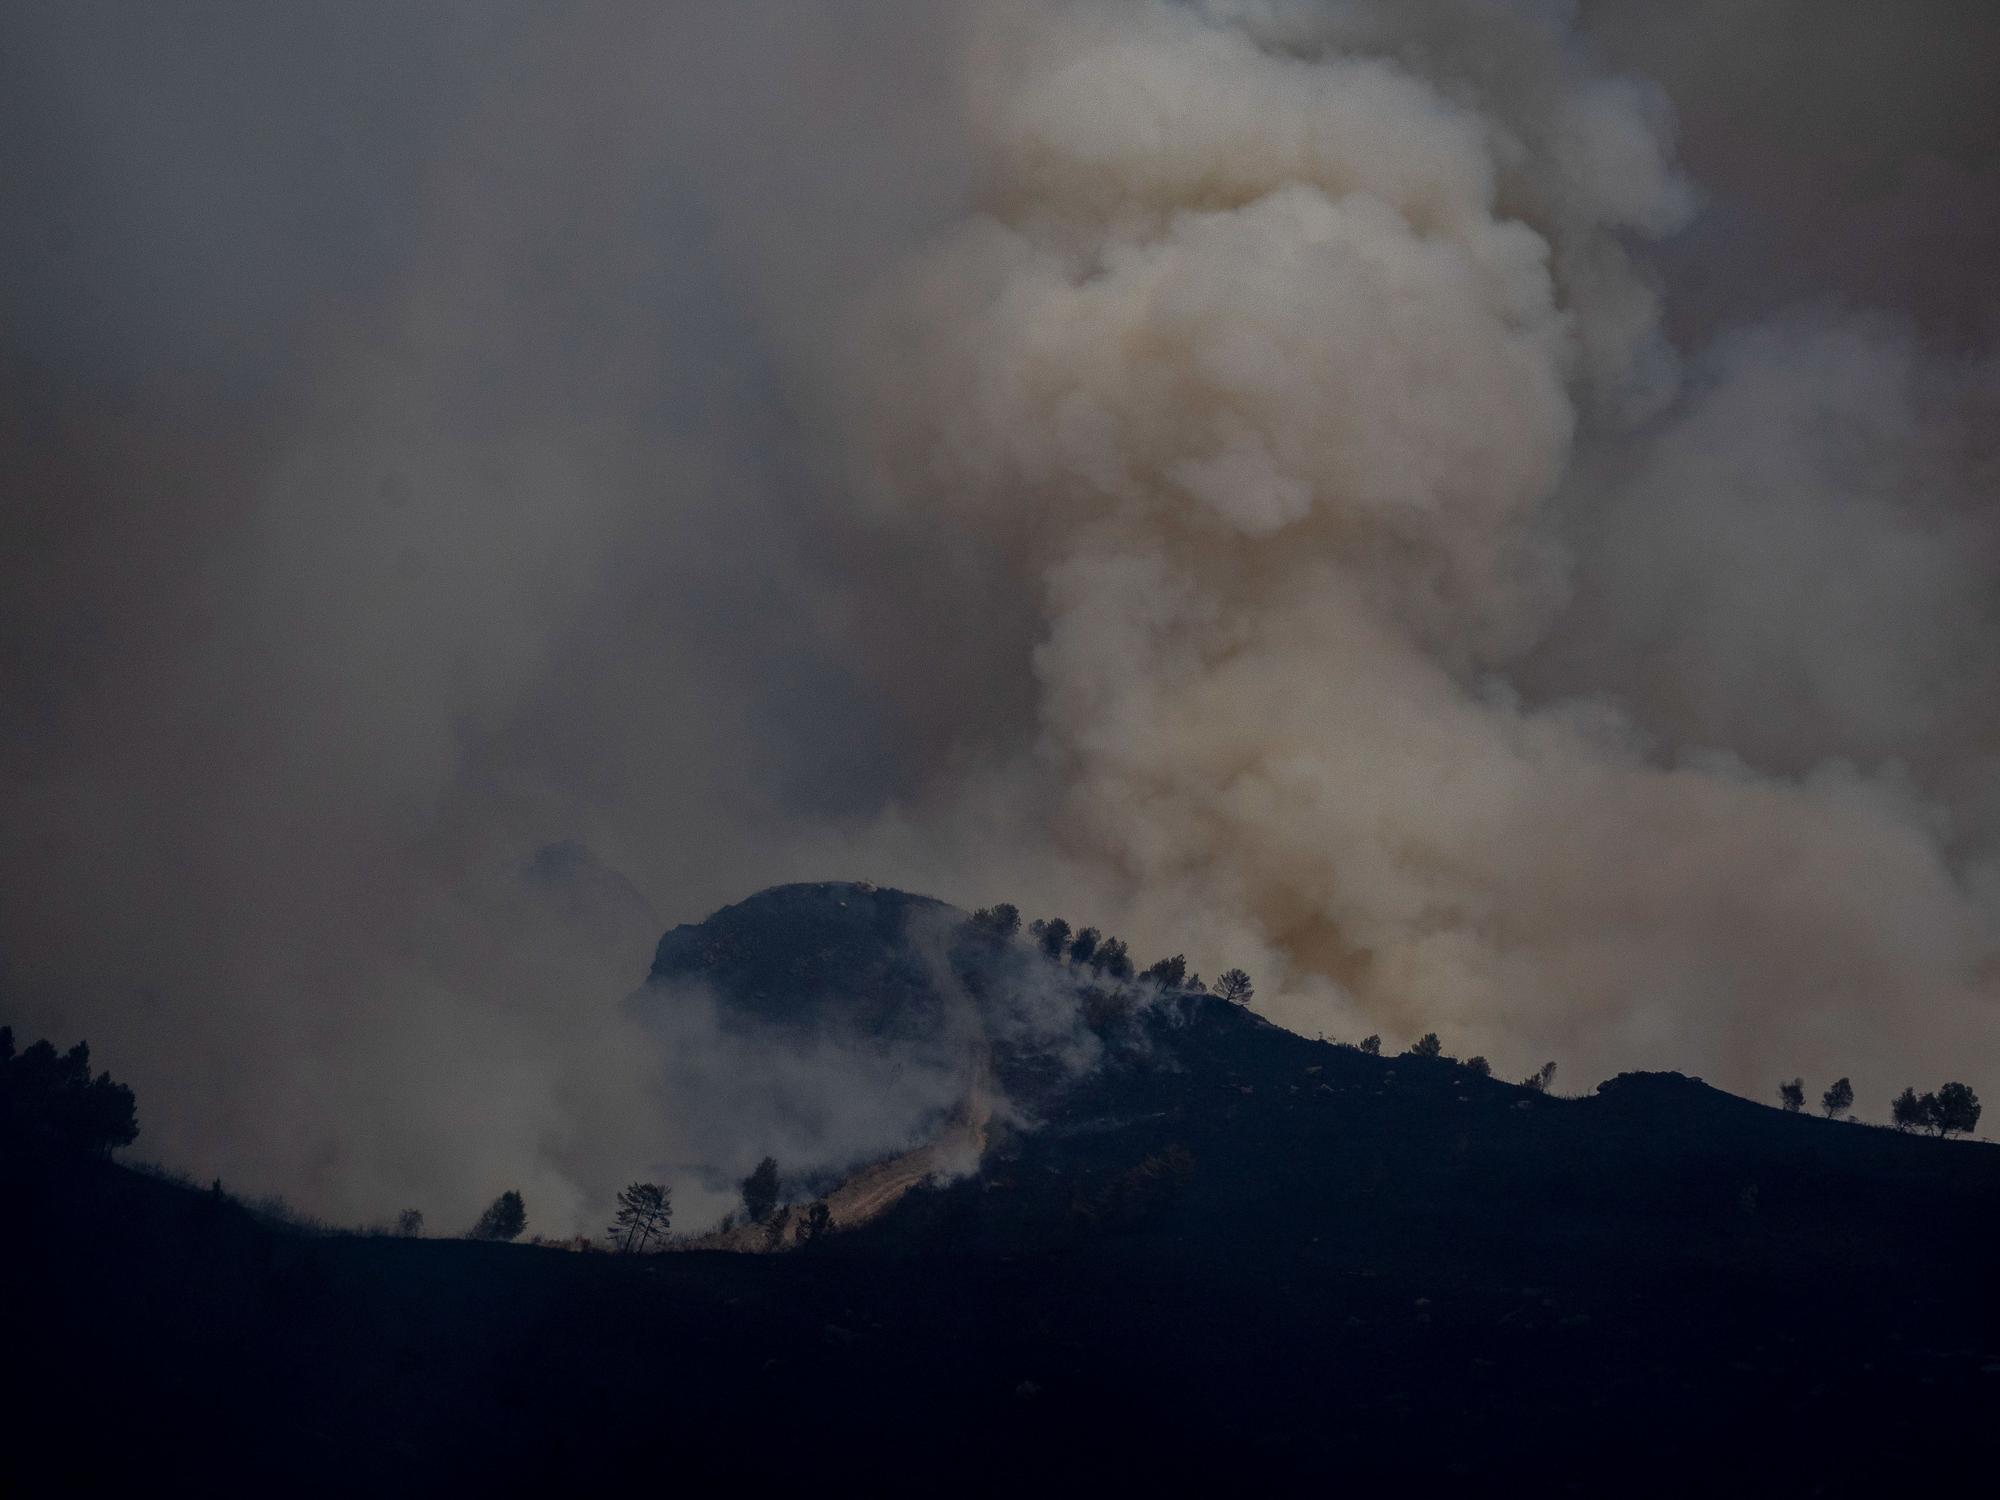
760	1190
505	1217
50	1103
1112	959
1053	935
1908	1111
1952	1108
1234	986
1002	921
645	1209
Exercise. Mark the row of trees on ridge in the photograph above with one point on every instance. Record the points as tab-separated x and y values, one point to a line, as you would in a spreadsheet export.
1106	958
1953	1109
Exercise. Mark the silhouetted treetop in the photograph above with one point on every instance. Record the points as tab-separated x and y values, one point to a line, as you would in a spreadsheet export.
1053	935
1002	921
1953	1109
50	1103
1792	1095
760	1190
1427	1045
1908	1111
505	1217
645	1211
1234	986
1838	1099
1112	959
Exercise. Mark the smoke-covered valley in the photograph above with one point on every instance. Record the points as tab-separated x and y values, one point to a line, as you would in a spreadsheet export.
1478	513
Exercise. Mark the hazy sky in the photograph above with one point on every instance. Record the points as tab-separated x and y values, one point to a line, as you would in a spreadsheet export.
1479	512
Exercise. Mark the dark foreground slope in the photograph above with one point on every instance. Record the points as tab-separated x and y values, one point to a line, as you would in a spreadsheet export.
1229	1255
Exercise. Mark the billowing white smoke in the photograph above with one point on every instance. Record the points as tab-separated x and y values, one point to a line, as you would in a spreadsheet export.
1266	354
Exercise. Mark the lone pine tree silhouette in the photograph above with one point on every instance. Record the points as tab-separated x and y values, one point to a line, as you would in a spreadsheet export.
1234	986
1954	1108
505	1217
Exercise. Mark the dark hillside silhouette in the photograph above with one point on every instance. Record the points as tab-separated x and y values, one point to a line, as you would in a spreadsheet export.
800	955
1225	1255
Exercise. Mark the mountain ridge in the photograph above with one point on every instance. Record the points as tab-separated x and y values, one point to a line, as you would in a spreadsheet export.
1218	1253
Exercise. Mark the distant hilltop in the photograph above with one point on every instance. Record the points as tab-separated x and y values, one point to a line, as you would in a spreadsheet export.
821	951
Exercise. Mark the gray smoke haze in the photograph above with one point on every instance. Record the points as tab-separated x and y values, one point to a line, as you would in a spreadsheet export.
1478	512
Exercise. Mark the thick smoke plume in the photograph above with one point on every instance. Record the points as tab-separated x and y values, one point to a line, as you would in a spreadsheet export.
1478	512
1412	628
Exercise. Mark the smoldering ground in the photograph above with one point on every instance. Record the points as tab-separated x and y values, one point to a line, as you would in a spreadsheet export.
1476	512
